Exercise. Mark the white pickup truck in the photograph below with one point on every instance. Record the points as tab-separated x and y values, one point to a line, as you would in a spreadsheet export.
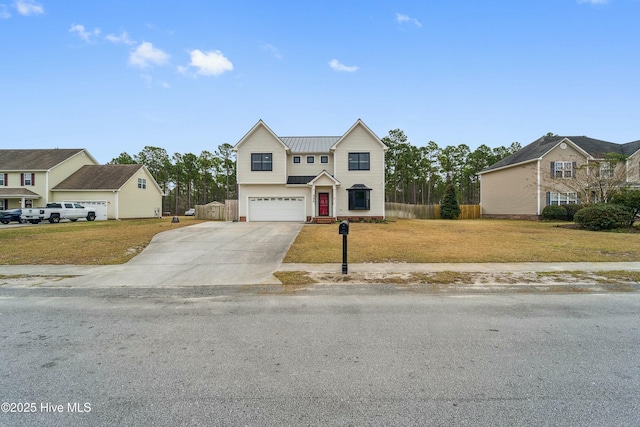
54	212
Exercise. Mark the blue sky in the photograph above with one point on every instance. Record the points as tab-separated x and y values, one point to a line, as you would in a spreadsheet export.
114	76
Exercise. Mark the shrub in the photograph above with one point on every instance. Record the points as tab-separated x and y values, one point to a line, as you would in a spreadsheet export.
604	216
571	210
554	212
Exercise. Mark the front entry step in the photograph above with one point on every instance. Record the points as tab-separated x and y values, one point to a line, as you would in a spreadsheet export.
323	220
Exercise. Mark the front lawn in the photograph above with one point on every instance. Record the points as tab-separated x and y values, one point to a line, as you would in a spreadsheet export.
82	242
462	241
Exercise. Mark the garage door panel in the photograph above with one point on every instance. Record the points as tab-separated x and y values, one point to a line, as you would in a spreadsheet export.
277	209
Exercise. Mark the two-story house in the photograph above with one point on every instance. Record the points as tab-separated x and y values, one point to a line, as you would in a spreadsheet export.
27	176
35	177
554	170
310	178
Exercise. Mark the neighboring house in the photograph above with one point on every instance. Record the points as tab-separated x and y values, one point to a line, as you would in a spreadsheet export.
27	176
312	178
116	191
546	172
35	177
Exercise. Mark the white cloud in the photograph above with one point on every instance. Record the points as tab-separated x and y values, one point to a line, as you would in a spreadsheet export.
28	7
273	50
122	38
146	55
83	33
211	63
337	66
402	18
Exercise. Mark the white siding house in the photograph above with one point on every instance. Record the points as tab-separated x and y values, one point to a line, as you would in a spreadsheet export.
314	178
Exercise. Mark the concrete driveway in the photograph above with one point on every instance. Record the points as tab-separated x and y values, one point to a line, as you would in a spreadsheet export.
209	253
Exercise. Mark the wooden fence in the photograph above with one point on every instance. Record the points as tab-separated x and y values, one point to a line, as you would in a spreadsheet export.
227	211
402	210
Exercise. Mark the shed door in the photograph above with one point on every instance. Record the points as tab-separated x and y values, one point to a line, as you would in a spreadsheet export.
276	209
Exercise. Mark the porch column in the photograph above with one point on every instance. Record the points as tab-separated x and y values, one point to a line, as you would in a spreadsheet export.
333	196
313	200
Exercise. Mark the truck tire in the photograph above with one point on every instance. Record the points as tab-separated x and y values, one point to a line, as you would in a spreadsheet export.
54	219
5	222
91	216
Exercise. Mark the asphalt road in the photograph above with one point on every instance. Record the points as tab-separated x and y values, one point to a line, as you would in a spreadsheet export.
153	357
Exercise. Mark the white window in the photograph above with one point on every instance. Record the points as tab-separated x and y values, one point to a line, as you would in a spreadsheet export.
606	170
563	198
563	170
28	179
3	180
311	159
142	183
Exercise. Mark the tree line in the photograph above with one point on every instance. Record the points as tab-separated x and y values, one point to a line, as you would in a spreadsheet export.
188	179
415	175
420	175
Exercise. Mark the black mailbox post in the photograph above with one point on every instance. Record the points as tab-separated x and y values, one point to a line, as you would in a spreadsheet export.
343	229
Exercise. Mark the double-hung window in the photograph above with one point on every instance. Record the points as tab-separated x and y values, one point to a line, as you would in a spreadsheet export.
28	179
562	169
563	198
261	161
3	179
142	183
359	162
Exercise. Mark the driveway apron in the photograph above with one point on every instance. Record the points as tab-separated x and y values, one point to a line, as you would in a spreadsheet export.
209	253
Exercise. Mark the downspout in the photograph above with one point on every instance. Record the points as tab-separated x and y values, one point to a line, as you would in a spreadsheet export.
46	183
538	192
117	209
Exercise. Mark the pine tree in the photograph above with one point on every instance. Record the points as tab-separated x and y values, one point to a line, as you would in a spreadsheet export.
450	208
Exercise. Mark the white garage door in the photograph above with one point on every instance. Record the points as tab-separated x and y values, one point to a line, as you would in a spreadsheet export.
100	206
276	209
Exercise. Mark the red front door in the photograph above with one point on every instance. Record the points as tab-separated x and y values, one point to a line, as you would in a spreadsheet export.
323	204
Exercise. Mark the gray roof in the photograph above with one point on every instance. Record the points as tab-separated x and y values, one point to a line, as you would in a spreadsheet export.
31	160
310	144
594	147
99	177
300	179
12	193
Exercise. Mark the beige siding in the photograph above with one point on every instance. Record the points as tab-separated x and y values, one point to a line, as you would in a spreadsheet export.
511	191
360	140
66	169
261	141
303	168
134	202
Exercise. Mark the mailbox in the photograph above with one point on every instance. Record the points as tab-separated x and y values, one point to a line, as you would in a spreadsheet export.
343	228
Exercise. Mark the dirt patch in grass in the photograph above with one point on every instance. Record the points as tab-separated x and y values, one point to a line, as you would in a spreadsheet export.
82	243
442	241
568	281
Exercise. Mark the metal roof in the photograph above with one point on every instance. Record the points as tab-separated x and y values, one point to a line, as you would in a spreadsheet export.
310	144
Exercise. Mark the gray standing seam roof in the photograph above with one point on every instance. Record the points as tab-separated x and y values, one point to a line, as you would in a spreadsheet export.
310	144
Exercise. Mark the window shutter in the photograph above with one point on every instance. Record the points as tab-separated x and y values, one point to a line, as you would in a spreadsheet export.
553	169
22	179
33	178
6	178
548	198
